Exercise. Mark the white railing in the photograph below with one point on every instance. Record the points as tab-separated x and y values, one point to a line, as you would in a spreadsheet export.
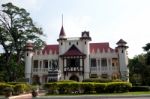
40	70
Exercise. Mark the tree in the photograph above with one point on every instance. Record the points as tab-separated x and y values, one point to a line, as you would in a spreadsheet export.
16	28
136	68
147	49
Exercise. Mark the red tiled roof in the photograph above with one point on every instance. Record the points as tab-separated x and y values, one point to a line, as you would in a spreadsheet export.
73	51
62	32
52	48
100	46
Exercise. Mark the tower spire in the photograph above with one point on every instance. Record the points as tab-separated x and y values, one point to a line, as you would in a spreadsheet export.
62	19
62	32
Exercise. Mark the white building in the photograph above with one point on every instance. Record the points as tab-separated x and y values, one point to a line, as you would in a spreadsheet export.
76	59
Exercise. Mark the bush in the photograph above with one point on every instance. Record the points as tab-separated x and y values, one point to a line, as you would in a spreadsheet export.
115	87
87	87
52	88
100	87
140	88
3	86
97	80
21	88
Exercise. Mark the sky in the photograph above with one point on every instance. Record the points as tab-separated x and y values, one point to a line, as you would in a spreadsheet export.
106	20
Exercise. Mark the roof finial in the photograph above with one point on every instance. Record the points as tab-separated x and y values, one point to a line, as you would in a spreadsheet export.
62	19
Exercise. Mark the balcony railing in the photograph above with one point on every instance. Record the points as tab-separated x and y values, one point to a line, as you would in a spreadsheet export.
73	69
40	70
104	69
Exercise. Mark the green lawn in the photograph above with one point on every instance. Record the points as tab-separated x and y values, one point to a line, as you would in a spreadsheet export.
130	93
111	94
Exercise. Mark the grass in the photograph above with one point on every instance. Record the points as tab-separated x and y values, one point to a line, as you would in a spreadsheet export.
130	93
110	94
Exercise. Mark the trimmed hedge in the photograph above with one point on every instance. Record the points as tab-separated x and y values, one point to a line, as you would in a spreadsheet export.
86	87
18	87
3	86
140	88
100	80
116	87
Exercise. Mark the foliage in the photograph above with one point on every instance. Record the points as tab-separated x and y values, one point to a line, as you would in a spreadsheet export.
116	87
139	70
140	88
21	88
16	87
16	27
100	88
86	87
101	80
4	86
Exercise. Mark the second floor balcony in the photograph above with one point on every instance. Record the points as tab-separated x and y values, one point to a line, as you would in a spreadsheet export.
40	70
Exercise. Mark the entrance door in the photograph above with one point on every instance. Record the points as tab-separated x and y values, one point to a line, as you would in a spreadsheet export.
74	77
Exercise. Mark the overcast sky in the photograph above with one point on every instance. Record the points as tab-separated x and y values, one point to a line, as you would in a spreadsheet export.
106	20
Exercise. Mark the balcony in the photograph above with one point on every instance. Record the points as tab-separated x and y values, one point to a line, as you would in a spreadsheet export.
40	70
76	69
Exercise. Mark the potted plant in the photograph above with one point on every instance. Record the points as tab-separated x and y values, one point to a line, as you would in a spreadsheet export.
35	91
8	91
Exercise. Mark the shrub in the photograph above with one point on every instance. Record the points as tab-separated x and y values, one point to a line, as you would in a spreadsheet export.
21	88
51	88
114	87
87	87
140	88
100	87
3	86
97	80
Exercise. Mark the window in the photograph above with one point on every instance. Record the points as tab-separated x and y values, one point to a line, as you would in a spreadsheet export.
35	64
45	63
54	64
93	76
104	76
40	64
50	65
61	43
122	51
69	43
77	43
27	54
85	42
93	62
98	62
73	62
113	64
103	62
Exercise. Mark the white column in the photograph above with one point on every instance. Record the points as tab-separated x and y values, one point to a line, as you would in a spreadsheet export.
97	65
65	62
81	62
100	66
108	70
40	78
48	64
111	71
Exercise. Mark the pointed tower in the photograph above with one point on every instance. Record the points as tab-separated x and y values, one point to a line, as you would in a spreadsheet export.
62	47
123	59
28	60
85	38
